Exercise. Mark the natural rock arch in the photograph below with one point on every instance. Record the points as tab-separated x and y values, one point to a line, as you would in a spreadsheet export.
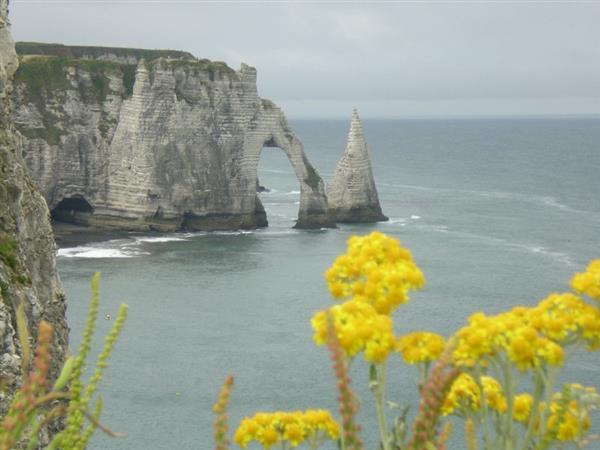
177	149
270	129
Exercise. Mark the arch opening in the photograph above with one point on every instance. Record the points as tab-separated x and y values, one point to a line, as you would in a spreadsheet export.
277	187
72	210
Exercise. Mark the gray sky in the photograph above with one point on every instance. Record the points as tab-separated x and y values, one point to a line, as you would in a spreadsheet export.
318	59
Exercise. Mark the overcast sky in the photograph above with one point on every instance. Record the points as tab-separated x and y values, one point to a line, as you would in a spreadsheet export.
318	59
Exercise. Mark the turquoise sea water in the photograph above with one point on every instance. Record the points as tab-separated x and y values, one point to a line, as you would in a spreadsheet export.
496	212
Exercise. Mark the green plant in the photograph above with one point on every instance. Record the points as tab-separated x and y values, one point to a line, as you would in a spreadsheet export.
69	398
128	78
8	252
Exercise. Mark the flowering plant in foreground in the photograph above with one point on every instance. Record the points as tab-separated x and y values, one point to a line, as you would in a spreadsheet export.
38	402
497	373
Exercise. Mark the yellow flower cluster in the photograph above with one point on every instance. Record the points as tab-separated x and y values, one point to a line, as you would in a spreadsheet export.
294	428
566	318
359	328
465	395
420	347
377	270
588	282
486	336
568	424
372	278
569	418
532	337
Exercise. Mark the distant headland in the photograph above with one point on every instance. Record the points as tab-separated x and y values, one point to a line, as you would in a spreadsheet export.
136	139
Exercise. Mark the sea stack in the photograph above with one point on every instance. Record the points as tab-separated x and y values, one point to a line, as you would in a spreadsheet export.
352	194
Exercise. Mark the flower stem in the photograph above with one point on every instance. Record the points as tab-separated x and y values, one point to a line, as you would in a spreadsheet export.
538	391
379	393
509	390
484	409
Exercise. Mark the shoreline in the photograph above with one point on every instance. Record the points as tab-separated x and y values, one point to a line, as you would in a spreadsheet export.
68	235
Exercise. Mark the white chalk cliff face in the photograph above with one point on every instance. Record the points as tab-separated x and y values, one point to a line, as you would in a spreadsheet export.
28	274
352	194
164	144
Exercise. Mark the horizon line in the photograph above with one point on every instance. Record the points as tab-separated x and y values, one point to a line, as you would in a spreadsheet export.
457	116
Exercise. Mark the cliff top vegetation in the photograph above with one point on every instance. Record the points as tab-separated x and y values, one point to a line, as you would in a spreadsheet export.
89	52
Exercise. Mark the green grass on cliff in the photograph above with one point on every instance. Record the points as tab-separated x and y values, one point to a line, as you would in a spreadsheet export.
79	51
41	75
8	252
215	69
128	78
45	76
8	256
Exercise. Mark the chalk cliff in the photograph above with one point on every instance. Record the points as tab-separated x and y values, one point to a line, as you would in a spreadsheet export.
352	194
142	140
27	251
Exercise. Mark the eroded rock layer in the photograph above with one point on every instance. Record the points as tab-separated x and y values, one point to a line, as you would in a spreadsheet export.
352	194
27	251
161	144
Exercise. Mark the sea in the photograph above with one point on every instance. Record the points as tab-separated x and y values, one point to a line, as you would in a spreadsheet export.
497	213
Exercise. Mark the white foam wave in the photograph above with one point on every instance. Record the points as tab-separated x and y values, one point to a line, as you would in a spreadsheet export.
395	221
287	231
99	252
233	233
415	217
159	239
292	193
191	234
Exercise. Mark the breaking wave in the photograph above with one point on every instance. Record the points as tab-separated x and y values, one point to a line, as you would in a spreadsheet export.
99	252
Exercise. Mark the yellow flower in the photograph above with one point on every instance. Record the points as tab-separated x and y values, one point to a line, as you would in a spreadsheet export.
588	282
569	418
493	394
358	327
465	395
522	407
566	318
522	334
278	427
374	270
268	437
294	434
420	347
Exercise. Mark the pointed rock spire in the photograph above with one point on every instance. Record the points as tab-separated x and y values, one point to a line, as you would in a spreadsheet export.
352	194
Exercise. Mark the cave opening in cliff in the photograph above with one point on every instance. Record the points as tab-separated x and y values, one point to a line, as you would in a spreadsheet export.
71	209
277	187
